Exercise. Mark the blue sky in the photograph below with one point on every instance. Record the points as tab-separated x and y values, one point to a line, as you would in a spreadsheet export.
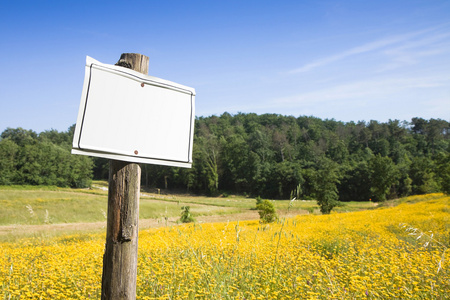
347	60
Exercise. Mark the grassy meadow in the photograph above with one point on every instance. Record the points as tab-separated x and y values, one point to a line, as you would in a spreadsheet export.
397	251
31	205
51	205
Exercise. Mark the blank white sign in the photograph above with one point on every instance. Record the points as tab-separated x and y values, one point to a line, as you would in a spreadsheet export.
129	116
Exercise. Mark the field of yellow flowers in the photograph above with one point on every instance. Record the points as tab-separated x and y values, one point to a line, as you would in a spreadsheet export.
389	253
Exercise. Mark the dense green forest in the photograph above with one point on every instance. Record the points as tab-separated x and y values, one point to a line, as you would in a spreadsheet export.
42	159
271	156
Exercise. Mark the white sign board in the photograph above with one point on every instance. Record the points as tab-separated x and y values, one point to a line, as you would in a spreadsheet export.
126	115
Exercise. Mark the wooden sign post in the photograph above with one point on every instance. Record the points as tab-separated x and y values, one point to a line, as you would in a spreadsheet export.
120	258
122	112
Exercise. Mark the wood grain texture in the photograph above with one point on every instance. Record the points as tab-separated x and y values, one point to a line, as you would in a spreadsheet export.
134	61
120	257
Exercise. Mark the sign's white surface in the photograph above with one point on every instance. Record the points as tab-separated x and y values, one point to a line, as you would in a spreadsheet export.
129	116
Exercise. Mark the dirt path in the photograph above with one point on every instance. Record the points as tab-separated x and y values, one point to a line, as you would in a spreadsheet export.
143	224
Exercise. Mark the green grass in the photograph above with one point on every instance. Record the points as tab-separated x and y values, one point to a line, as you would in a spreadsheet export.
154	209
232	201
100	183
37	205
33	205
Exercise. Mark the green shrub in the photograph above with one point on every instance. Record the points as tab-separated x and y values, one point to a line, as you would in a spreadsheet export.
267	211
186	216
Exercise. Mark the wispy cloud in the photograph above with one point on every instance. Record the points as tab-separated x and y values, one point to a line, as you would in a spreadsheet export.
403	41
412	52
365	89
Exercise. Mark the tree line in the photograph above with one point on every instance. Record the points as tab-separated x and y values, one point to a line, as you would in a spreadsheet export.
42	159
277	157
270	155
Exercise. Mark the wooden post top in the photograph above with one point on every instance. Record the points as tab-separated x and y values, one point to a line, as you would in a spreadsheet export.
134	61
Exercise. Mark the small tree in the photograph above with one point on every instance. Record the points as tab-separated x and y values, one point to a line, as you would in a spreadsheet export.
326	179
186	216
267	212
